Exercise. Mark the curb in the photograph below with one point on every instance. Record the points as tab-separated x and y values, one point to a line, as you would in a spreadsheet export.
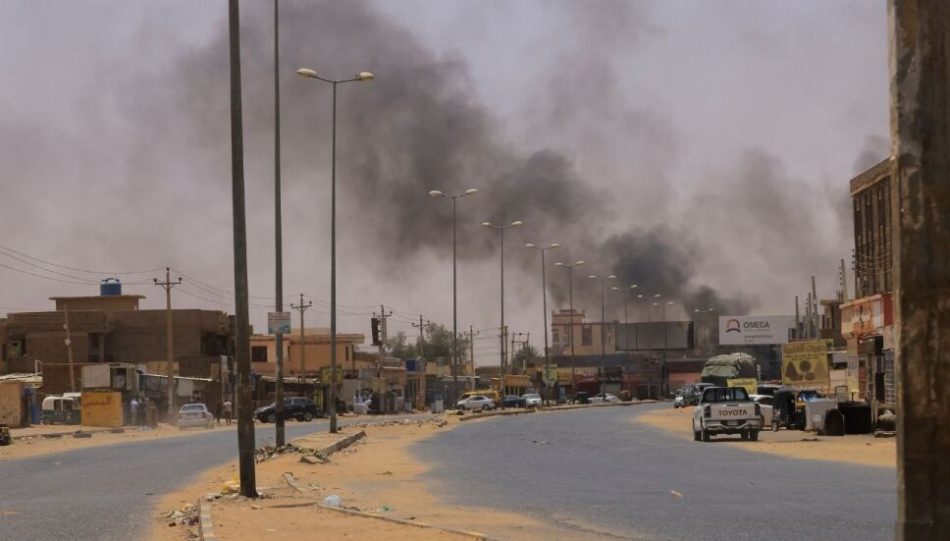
495	414
292	482
205	525
342	444
61	434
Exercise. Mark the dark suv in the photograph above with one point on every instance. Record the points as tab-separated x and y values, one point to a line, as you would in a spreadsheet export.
295	407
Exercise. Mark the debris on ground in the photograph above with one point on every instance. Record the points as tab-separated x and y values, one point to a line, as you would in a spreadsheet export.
186	516
268	452
332	501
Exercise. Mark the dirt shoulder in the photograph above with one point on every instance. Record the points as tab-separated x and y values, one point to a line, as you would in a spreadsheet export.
864	450
37	440
378	475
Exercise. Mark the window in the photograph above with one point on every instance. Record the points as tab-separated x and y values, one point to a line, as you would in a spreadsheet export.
587	335
556	336
258	354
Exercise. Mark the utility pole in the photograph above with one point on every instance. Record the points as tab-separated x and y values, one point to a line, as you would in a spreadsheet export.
844	281
278	243
816	318
242	316
920	129
169	351
798	320
69	350
422	338
303	350
472	333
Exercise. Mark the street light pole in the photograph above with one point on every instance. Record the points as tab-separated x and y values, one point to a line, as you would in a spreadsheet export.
626	320
603	327
544	294
362	76
278	246
570	289
455	313
501	232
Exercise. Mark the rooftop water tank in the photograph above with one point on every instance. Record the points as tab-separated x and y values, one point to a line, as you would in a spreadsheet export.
110	287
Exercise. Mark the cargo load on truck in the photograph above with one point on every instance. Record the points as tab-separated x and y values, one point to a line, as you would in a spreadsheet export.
721	368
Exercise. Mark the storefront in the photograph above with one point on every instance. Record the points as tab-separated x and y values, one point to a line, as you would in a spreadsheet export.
868	326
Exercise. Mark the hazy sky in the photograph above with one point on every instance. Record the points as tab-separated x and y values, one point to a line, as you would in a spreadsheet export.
682	144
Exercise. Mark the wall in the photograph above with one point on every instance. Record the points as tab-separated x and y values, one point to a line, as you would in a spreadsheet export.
102	409
11	403
109	303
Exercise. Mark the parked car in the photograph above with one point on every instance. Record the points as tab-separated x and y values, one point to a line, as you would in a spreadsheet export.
296	407
195	415
765	405
726	410
692	393
491	394
512	401
476	403
532	400
604	397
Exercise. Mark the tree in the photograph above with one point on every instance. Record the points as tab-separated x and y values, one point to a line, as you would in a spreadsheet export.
524	355
399	348
439	344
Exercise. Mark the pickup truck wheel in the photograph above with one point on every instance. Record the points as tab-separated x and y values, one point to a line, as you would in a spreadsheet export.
744	435
697	435
754	435
705	435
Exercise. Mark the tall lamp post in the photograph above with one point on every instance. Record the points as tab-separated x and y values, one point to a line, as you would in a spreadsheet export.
570	325
501	234
544	293
362	76
603	327
455	313
626	320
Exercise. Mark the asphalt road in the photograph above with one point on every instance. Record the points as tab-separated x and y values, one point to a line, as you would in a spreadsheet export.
106	493
600	471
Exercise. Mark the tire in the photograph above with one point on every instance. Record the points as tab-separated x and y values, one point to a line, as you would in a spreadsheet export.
271	418
308	416
697	436
486	407
705	435
744	436
754	435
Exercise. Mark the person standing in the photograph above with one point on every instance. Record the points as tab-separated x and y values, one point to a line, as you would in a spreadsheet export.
134	411
227	412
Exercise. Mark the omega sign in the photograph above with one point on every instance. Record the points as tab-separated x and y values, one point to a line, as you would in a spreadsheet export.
754	330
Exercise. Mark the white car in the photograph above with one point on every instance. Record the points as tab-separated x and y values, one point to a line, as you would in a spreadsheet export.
604	397
532	400
192	415
765	406
476	403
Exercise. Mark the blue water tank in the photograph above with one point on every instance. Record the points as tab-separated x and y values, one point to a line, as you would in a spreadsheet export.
110	287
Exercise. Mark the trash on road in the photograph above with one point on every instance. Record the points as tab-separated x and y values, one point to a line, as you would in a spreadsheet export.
332	501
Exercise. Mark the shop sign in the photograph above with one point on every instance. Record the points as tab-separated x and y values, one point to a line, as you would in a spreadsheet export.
867	316
805	364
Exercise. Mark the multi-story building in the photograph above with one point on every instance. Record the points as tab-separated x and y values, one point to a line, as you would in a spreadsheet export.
867	322
306	355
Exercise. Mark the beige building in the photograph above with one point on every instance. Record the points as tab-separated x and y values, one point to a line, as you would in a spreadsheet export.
311	358
586	334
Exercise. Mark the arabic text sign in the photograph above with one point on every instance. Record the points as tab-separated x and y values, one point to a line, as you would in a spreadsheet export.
805	364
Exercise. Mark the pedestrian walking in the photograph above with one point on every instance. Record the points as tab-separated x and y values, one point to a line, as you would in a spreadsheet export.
227	412
217	413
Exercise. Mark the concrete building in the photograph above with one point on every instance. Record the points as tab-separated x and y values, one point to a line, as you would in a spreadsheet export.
112	328
309	355
867	322
586	334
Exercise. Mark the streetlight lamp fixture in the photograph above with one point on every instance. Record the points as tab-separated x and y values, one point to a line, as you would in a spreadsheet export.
501	235
626	320
362	76
570	289
455	314
603	327
544	293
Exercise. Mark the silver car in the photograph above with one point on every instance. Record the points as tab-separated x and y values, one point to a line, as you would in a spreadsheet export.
765	406
195	415
532	400
476	403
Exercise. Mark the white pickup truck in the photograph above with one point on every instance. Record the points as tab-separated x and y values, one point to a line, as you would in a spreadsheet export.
726	410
